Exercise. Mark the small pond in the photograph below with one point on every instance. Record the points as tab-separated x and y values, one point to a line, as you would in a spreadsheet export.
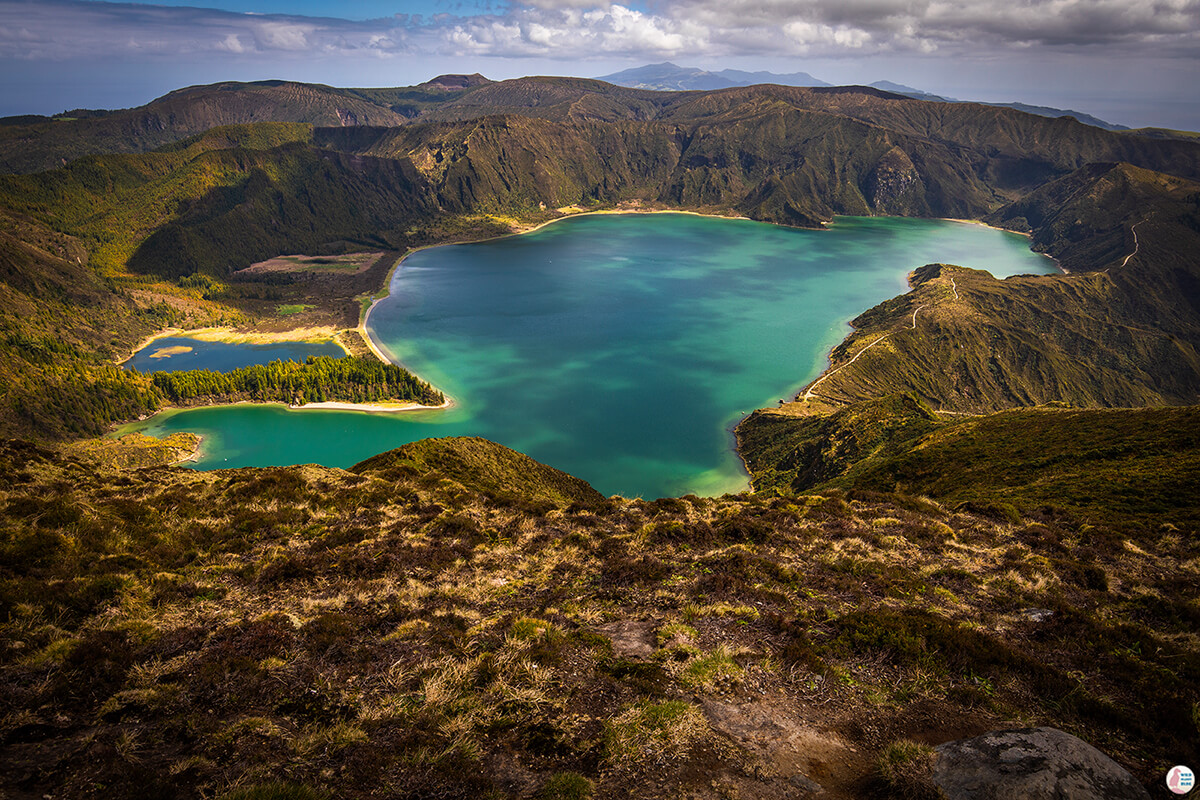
176	353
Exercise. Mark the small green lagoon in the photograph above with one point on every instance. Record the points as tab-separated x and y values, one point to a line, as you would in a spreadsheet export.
620	348
176	353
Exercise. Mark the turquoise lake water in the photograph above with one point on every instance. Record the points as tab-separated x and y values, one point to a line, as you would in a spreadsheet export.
620	348
223	356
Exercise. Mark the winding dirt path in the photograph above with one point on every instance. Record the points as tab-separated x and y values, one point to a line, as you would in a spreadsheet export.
811	389
1136	244
808	394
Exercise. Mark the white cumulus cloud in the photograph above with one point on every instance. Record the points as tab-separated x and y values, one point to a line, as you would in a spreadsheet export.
574	30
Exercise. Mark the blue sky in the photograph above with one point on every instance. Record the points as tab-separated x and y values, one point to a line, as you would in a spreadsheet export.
1133	62
355	10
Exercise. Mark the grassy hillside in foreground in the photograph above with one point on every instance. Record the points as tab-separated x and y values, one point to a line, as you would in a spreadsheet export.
402	633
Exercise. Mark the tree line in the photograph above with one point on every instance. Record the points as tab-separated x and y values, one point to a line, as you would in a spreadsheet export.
352	379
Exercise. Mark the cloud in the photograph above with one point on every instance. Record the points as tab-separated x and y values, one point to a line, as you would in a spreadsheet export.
580	29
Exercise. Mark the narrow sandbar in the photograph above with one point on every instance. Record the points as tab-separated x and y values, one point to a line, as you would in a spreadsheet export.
383	406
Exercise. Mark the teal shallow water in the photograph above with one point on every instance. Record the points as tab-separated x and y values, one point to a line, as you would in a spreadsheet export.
620	348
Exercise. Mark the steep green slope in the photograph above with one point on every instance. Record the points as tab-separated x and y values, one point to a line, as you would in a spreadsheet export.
171	633
220	201
114	202
1006	148
1142	229
779	165
1017	150
61	327
288	200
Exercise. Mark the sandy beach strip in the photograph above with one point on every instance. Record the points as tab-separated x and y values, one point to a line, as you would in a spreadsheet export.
388	407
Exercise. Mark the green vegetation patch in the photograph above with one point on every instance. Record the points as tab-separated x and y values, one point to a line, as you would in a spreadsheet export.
291	309
654	732
355	379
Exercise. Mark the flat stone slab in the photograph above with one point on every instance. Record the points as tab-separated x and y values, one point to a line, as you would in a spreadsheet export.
630	638
1031	764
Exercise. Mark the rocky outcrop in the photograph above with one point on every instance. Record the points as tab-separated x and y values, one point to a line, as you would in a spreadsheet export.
890	181
1031	764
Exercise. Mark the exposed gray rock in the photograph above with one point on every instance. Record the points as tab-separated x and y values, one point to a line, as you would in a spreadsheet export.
891	178
630	638
1036	614
1031	764
806	785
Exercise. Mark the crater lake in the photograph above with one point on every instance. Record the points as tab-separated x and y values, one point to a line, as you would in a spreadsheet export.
621	348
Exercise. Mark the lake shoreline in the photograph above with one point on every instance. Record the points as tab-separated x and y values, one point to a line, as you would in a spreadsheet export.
385	291
394	407
1026	234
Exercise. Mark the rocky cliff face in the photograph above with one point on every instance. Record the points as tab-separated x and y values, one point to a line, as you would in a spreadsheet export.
893	177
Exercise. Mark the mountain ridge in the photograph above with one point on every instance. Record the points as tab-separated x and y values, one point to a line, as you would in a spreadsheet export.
670	77
28	145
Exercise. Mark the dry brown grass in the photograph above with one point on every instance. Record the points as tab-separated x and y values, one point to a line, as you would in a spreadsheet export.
391	637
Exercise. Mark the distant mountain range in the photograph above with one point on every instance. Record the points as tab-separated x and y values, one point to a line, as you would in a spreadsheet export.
670	77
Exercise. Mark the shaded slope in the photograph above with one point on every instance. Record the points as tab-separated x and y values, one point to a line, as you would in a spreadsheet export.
1140	228
114	202
220	201
293	199
1009	148
771	163
61	326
